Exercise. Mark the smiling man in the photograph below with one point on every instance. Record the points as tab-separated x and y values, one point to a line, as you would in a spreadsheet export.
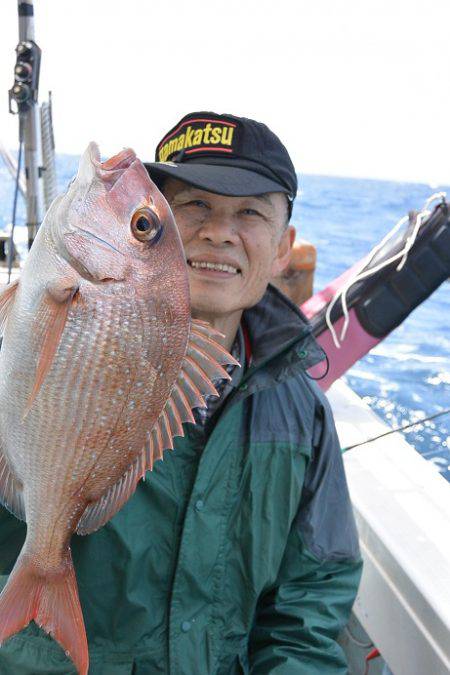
239	553
273	562
233	246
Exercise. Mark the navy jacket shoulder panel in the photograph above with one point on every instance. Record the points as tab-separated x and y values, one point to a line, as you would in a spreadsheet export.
283	413
325	517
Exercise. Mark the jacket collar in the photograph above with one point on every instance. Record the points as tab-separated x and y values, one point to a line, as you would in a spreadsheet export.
280	332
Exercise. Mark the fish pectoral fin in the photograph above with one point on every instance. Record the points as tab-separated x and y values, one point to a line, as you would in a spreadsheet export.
202	363
62	289
7	295
11	494
52	316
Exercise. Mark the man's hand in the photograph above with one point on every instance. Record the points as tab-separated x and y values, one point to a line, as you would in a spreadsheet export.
296	280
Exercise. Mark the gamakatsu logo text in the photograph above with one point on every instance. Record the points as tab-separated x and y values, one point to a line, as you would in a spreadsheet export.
209	135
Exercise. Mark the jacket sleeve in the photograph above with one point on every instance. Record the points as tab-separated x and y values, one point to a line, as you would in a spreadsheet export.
12	537
298	620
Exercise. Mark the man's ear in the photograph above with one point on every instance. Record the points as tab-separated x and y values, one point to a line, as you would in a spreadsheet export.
284	251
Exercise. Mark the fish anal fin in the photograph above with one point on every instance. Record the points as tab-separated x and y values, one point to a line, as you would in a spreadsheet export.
11	495
7	295
53	312
99	512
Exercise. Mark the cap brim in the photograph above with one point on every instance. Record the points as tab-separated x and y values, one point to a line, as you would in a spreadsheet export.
223	180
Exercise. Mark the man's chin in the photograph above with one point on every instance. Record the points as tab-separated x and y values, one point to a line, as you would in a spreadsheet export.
213	295
218	305
211	307
220	300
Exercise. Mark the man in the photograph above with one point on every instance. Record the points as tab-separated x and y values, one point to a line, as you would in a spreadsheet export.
239	553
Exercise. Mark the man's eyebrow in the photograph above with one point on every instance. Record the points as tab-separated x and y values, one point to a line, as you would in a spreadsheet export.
264	198
186	192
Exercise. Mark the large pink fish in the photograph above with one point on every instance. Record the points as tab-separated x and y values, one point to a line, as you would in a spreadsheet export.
100	366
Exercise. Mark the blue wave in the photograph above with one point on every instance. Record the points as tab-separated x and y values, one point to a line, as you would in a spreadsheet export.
407	377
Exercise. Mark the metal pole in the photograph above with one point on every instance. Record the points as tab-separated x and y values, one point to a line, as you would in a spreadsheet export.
30	132
11	165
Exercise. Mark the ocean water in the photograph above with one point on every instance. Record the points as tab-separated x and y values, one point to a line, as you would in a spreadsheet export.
407	376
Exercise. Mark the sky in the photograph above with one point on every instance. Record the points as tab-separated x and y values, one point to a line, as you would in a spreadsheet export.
352	87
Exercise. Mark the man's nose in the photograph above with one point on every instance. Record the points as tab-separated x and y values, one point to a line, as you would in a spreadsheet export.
219	229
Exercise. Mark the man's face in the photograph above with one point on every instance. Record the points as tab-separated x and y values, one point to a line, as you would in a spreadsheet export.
233	245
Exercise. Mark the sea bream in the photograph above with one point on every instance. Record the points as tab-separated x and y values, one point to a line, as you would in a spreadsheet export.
100	365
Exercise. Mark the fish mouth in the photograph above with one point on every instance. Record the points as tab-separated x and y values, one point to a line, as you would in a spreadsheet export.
121	161
111	170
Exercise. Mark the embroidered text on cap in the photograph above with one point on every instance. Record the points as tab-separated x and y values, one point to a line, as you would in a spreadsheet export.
197	136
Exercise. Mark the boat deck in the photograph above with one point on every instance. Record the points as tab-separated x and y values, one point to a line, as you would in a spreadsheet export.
402	507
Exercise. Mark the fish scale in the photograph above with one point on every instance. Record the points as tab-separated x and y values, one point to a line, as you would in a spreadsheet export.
92	402
100	365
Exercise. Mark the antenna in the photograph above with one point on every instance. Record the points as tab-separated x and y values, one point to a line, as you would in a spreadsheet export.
23	100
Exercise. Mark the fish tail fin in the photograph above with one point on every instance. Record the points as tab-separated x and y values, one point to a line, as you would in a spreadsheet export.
53	603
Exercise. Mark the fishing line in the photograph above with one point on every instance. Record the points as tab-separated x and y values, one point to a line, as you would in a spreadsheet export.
393	431
358	643
13	220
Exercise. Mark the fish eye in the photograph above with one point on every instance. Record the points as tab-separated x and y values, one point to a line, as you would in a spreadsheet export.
145	225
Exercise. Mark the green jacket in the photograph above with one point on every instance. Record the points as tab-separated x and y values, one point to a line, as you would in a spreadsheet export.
238	554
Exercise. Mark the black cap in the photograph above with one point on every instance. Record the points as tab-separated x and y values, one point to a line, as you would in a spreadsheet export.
228	155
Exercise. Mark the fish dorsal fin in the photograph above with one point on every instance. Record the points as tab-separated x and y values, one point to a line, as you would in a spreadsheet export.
11	494
203	361
7	295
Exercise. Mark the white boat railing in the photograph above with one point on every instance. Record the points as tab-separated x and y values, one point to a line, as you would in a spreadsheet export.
402	509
